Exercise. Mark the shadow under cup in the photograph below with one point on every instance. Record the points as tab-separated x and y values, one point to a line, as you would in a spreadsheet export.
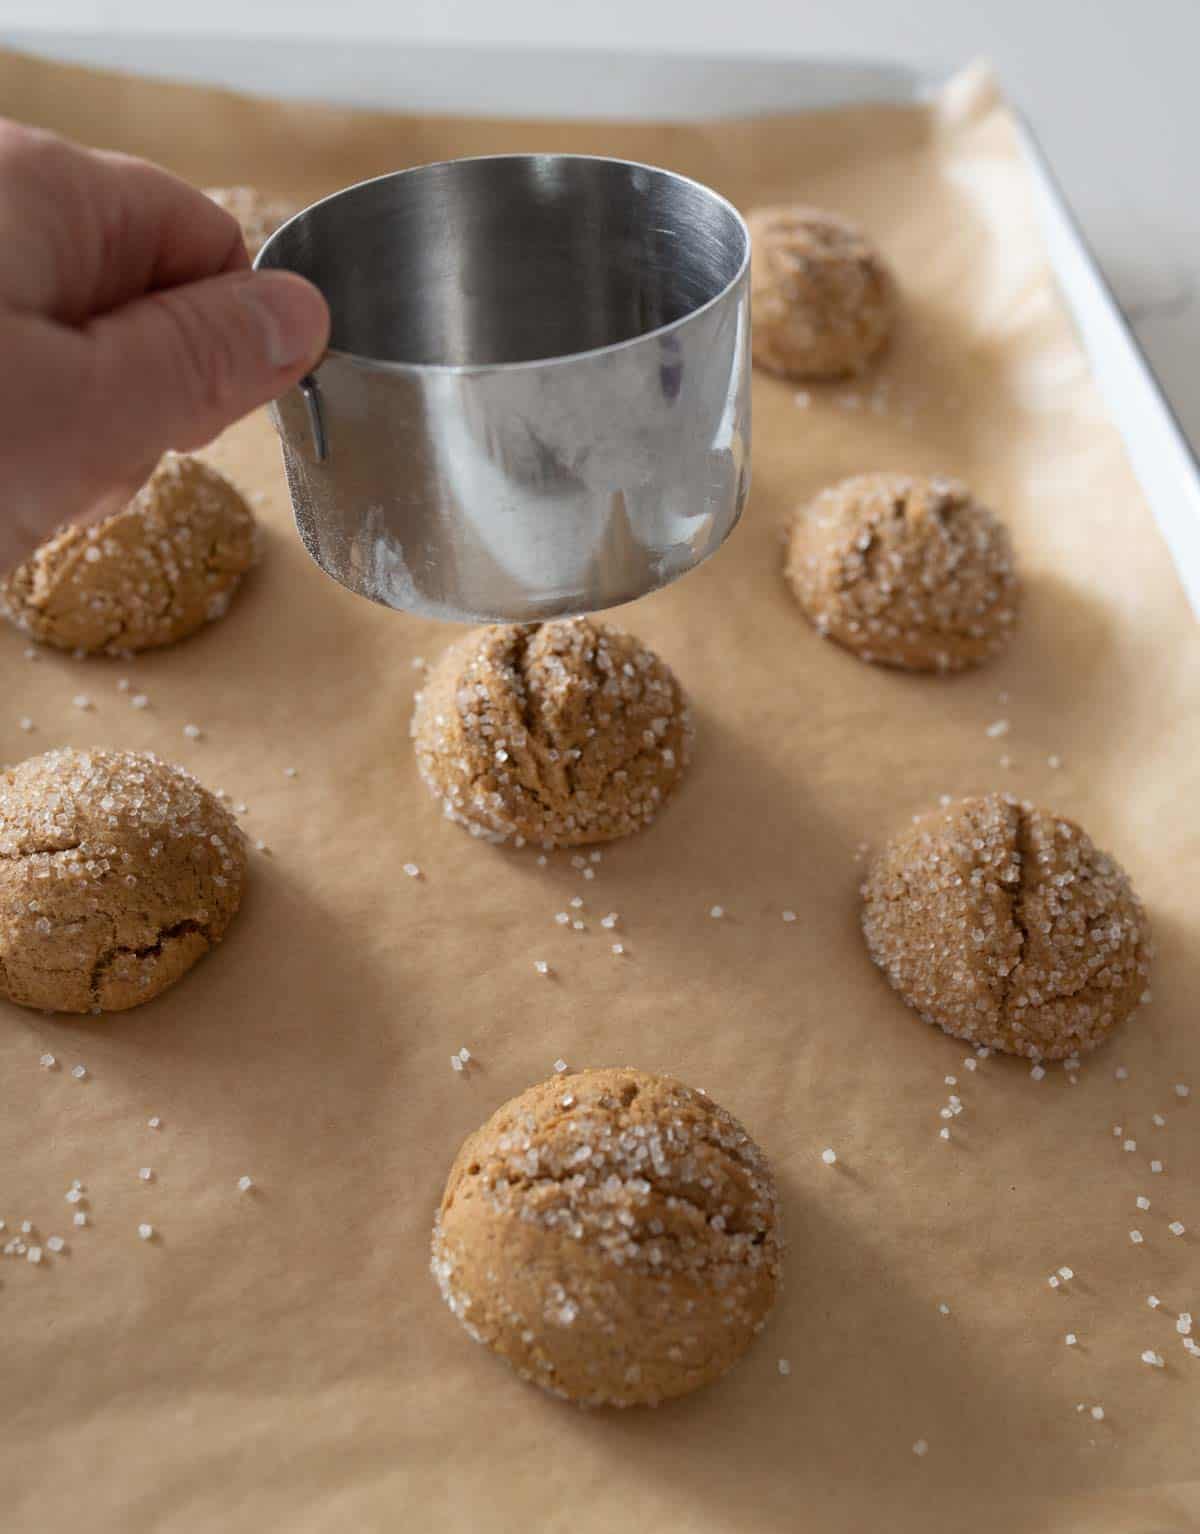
536	397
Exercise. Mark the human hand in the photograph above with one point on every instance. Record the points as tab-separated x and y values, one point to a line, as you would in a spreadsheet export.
130	323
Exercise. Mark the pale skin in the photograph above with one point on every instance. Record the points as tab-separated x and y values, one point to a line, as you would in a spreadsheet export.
130	323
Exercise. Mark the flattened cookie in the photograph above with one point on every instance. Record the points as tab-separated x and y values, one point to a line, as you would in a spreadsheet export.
557	733
259	213
117	872
614	1236
821	296
153	573
1005	926
906	571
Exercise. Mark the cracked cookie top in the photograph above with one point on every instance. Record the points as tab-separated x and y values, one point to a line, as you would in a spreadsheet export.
613	1235
117	872
1006	926
555	733
151	574
905	570
821	295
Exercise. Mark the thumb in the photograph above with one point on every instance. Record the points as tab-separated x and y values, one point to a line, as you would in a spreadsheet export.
173	369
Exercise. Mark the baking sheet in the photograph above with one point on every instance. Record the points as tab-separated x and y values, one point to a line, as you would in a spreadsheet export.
281	1359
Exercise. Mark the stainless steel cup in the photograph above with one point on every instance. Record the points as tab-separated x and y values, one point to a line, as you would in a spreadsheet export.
536	398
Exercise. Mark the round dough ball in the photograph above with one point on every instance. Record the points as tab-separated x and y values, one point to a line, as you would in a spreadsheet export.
154	572
117	872
557	733
257	212
820	294
906	571
612	1235
1005	926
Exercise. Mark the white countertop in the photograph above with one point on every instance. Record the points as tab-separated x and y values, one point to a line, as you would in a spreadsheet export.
1108	85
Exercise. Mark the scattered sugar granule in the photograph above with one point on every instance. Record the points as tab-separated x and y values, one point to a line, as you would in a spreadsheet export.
578	926
1038	1072
951	1081
561	918
464	1055
417	663
1136	1237
784	1366
1182	1090
34	1254
1117	1131
124	684
140	700
1158	1121
1066	1273
146	1173
48	1062
1177	1227
1146	997
789	915
717	912
154	1123
1156	1166
245	1184
1142	1201
579	861
1070	1339
595	857
261	846
290	772
455	1063
1153	1301
1121	1074
26	1227
79	1217
802	399
970	1064
1054	762
943	1309
610	921
1184	1324
79	1072
1053	1280
998	728
560	1066
1155	1360
31	653
920	1448
576	902
943	1134
541	966
1098	1413
193	732
1006	762
73	1195
145	1232
412	870
25	723
618	949
829	1156
81	700
1129	1145
55	1244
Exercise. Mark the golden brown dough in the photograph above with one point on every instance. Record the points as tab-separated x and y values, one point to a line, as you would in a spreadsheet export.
117	872
1004	925
612	1235
557	733
153	573
821	297
906	571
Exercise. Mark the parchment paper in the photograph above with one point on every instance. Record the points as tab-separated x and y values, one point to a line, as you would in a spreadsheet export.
280	1359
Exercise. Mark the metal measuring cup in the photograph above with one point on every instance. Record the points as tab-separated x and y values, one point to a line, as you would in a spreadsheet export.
536	398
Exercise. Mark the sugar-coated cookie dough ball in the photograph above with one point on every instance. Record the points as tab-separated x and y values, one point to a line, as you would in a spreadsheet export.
1005	926
556	733
612	1235
117	872
904	570
257	212
154	572
821	296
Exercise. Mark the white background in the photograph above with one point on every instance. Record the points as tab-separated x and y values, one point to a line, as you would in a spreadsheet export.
1109	85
